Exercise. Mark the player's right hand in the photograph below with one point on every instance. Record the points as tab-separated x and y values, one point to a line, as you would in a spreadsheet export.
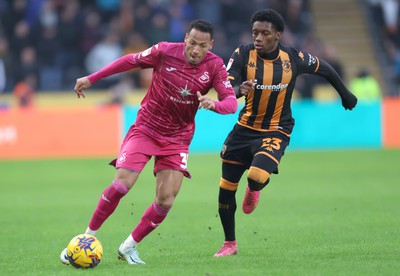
247	86
81	84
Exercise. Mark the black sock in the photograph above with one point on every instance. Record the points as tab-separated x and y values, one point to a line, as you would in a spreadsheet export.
226	210
255	186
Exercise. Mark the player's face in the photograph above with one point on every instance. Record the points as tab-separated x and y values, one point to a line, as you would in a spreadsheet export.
265	37
197	44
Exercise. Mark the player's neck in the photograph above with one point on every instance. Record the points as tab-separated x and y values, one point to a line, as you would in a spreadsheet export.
270	55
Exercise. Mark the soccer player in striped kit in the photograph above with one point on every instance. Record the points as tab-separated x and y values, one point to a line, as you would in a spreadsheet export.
183	73
264	72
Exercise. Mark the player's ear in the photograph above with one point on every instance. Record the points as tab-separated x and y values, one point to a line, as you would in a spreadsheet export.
211	44
278	36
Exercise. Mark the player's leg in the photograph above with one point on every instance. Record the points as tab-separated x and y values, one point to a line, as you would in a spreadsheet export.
168	184
257	179
130	162
231	174
110	198
169	172
167	187
108	202
269	151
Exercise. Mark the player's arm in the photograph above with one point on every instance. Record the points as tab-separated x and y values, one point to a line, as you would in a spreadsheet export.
235	69
307	63
122	64
227	103
325	70
127	62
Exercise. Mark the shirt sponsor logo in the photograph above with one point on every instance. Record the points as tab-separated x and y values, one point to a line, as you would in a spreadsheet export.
272	87
180	101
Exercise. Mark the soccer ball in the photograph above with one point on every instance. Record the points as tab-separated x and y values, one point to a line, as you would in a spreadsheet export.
84	251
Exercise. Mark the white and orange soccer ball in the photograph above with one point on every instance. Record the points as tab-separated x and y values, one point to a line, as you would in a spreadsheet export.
84	251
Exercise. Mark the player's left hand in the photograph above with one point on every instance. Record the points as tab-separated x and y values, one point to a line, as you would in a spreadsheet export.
349	102
205	102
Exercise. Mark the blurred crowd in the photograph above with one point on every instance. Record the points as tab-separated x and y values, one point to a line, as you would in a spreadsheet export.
47	44
386	18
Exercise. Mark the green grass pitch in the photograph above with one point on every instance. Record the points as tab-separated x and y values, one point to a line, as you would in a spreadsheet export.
326	213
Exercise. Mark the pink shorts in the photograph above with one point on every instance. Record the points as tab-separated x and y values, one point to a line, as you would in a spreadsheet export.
138	148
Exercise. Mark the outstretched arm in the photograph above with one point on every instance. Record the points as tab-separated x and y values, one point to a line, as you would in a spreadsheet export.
349	101
120	65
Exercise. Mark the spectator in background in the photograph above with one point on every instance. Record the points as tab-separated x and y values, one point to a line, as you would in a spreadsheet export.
297	21
158	29
26	65
181	13
24	91
365	87
137	43
91	32
108	8
5	64
21	38
126	17
81	24
69	26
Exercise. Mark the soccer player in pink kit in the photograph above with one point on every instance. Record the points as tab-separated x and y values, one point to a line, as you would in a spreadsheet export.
183	73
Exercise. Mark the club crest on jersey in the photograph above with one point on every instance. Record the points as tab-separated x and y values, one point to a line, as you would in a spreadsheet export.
122	158
286	65
204	78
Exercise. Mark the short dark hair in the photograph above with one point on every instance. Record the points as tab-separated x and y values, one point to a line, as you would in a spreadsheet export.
203	26
269	15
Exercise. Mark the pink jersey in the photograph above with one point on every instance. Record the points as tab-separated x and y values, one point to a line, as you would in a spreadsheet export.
170	105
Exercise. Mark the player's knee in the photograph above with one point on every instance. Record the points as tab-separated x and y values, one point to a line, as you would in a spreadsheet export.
258	175
227	185
165	202
126	177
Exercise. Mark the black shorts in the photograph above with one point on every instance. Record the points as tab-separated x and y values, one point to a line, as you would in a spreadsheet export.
254	148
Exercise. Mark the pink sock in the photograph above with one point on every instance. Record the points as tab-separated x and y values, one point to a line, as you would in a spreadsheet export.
107	203
153	216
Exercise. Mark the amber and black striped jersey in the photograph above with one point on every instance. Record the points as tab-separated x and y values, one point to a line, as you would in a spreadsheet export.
267	106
